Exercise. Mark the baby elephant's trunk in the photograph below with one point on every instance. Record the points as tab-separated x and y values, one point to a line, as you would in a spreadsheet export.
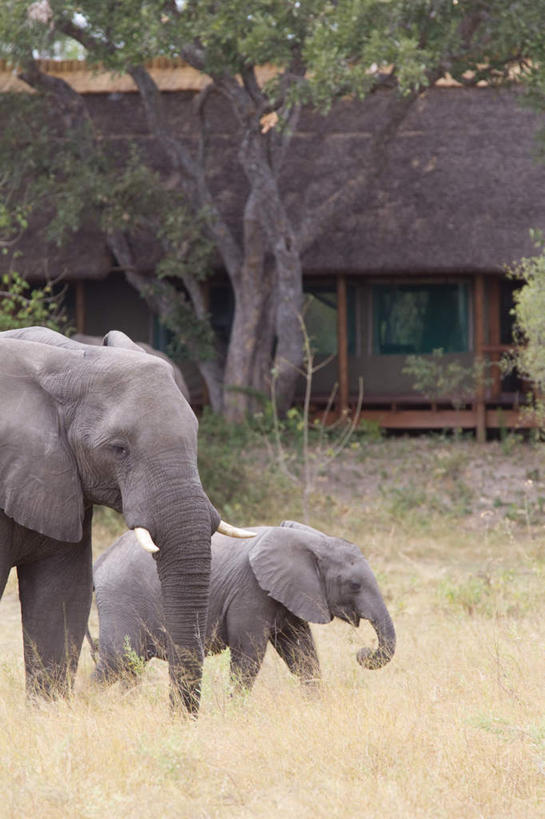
386	644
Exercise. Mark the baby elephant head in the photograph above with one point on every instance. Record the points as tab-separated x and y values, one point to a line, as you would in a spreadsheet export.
318	577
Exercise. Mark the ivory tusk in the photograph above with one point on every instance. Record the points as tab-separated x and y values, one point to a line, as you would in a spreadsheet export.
233	531
145	540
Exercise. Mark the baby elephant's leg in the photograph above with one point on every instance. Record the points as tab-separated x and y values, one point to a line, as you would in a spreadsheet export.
247	643
295	645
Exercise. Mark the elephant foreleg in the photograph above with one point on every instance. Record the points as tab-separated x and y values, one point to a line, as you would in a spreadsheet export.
295	644
7	526
55	594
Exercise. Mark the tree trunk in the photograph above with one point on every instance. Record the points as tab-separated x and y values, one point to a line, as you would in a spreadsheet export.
281	240
261	379
253	291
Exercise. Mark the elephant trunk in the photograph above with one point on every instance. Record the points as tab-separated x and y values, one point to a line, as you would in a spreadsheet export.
369	658
183	565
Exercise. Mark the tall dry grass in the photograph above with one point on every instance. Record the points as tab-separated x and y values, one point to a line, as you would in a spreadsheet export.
453	727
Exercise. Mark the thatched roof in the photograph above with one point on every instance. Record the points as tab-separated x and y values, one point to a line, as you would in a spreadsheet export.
460	191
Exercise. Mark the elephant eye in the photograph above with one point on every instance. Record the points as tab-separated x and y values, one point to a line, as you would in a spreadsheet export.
355	585
118	450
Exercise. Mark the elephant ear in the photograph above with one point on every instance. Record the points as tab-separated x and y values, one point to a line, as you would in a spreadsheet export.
286	567
39	481
115	338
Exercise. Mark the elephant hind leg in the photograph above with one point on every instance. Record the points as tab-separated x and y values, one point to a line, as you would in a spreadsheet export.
108	673
295	644
121	653
246	660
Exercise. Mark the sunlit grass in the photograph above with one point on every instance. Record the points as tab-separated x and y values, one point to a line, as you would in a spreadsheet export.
454	726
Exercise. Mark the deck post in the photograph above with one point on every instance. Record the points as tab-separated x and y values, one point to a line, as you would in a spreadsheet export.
80	305
478	315
494	334
342	345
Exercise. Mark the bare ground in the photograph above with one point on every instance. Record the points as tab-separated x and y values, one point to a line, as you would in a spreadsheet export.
483	486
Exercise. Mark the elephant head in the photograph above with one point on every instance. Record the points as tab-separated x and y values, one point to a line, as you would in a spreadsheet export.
318	577
84	425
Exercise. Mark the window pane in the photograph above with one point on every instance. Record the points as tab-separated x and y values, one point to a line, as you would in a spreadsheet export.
420	318
321	319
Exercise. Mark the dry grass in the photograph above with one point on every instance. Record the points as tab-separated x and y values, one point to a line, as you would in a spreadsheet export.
453	727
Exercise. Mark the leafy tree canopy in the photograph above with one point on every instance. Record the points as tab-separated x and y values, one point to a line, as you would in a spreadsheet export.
340	46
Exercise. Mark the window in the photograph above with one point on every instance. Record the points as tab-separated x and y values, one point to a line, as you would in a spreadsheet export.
420	318
321	319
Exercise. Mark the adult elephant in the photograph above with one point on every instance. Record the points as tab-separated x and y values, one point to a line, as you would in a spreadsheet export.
83	425
262	590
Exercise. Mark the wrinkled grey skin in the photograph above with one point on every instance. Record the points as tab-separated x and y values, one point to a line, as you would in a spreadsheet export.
97	341
262	590
83	425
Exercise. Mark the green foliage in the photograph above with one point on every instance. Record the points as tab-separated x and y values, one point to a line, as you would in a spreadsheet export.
191	337
13	220
22	305
239	477
133	662
323	48
74	178
437	378
529	315
70	179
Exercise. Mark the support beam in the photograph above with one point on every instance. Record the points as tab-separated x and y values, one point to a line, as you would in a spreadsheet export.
494	334
342	344
478	319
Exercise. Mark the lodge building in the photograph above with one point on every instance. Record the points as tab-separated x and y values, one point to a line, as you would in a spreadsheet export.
418	264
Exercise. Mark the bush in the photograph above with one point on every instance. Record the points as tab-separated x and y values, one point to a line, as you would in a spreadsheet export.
238	471
22	305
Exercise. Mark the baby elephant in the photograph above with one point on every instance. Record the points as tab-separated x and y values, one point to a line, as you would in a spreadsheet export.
266	589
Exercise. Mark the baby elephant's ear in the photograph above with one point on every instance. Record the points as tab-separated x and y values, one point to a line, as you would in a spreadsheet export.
286	566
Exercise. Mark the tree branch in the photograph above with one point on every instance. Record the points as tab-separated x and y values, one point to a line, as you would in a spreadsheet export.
69	101
180	158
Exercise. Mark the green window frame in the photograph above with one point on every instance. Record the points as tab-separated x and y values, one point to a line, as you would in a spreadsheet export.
416	319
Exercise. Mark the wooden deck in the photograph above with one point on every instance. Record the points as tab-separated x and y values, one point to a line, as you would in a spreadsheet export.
410	412
495	418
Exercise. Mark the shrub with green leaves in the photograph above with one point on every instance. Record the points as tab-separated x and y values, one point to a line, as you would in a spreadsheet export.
22	305
438	378
529	319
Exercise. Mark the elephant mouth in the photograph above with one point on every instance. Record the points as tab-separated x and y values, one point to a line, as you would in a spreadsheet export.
350	617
